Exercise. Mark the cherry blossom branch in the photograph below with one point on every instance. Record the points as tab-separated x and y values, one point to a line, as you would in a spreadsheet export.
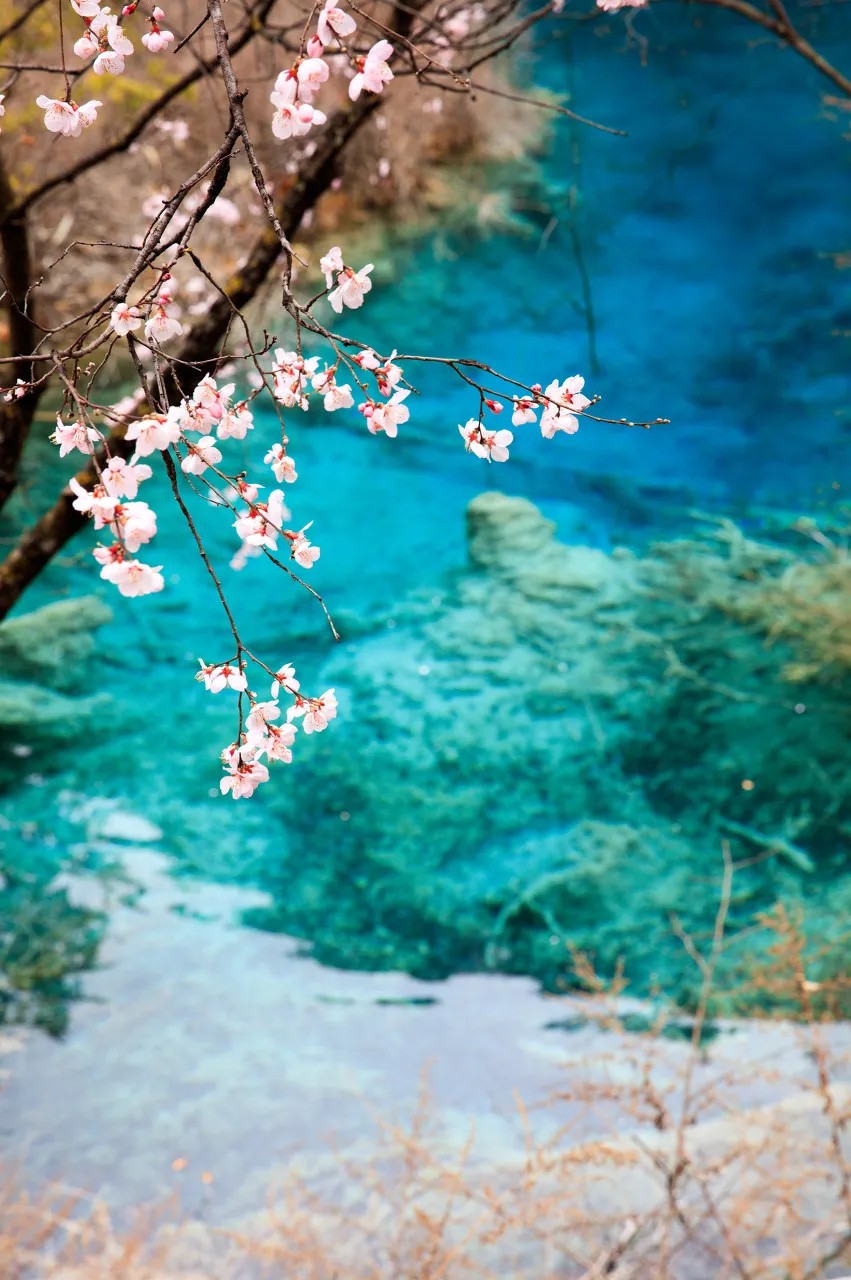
39	544
236	98
145	118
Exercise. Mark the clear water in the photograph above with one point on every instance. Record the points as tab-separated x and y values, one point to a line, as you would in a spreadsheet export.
709	237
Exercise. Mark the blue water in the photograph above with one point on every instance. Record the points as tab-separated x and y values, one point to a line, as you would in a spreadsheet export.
710	238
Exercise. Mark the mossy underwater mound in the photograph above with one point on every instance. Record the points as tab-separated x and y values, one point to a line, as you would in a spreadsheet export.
46	940
547	755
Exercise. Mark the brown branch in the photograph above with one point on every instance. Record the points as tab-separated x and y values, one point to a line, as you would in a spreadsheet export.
781	26
18	22
15	415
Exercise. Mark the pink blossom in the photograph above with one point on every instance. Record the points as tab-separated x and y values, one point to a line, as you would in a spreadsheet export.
278	741
96	503
335	397
556	419
215	678
109	63
242	780
285	89
156	432
373	72
124	318
261	525
111	41
293	119
130	576
285	678
74	435
367	359
66	117
388	375
239	490
236	423
387	416
351	288
259	716
332	261
87	45
334	21
262	736
202	454
611	6
524	411
210	402
282	464
157	40
162	324
290	373
133	524
491	445
302	550
568	394
312	74
317	712
121	479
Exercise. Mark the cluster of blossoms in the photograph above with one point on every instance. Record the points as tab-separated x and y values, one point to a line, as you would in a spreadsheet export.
295	89
112	506
105	45
161	323
560	402
261	735
66	117
293	377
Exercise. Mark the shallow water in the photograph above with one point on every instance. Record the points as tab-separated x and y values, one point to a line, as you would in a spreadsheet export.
709	237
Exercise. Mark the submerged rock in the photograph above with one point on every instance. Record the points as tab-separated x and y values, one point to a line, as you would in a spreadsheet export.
542	759
45	940
52	645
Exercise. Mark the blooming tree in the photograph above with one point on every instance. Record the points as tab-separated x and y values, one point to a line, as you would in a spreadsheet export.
176	334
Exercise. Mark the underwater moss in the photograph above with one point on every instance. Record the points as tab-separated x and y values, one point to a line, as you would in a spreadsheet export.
547	758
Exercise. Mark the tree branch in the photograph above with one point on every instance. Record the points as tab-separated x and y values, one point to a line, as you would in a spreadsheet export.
16	415
40	543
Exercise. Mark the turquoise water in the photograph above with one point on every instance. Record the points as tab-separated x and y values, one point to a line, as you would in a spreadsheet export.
497	729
